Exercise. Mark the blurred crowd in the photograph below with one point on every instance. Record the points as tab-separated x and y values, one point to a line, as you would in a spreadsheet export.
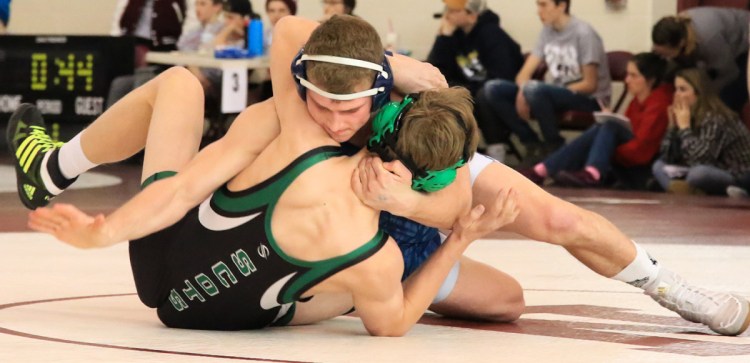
682	130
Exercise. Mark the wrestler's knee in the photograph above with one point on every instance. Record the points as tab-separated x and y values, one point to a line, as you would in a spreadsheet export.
182	77
512	306
562	223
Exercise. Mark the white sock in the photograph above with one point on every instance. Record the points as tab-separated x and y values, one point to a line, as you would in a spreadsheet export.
642	272
73	162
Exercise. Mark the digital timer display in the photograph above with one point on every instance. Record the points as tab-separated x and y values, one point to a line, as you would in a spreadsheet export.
66	71
67	77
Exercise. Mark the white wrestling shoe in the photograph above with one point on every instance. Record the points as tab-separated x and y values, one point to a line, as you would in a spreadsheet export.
724	313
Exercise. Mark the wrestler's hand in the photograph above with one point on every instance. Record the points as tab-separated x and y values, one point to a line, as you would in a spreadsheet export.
384	186
522	106
68	224
412	76
482	220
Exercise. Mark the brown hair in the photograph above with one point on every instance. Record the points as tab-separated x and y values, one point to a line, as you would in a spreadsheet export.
670	31
430	133
567	3
708	102
343	36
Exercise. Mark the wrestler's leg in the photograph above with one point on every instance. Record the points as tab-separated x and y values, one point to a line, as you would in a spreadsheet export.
589	237
602	247
500	300
165	116
45	168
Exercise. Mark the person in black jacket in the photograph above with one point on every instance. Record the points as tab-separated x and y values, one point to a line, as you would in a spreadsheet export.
470	49
161	35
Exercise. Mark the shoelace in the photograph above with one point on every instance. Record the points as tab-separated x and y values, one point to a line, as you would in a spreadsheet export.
38	141
38	133
695	303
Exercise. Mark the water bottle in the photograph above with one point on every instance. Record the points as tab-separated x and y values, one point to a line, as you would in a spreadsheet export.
255	38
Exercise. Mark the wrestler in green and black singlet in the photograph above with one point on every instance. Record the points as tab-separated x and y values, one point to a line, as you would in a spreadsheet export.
220	268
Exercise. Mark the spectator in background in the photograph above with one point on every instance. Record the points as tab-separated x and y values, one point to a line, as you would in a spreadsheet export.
237	14
338	7
707	147
580	80
740	188
470	49
137	18
275	10
587	159
714	39
4	15
201	40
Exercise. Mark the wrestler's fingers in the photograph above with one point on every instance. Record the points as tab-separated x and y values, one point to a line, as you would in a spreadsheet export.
369	179
41	225
49	215
380	172
398	168
468	220
356	182
497	205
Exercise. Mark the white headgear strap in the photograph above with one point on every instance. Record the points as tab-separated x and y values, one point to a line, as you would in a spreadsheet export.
348	62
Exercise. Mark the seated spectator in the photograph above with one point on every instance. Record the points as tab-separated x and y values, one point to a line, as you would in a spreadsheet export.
275	10
580	80
4	15
201	39
471	48
715	39
337	7
707	147
587	159
136	19
237	14
740	188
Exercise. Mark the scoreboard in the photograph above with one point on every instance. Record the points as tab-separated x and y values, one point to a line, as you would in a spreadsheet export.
66	77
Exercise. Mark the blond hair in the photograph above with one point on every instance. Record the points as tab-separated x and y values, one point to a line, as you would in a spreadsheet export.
432	136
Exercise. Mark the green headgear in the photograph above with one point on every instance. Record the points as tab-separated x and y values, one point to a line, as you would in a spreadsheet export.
385	130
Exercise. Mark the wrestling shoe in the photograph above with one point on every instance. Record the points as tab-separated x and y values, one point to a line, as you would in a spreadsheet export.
724	313
29	142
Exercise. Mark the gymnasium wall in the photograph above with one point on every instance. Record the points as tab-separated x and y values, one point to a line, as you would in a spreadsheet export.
626	29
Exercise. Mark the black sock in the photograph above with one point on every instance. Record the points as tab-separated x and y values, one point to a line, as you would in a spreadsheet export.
53	168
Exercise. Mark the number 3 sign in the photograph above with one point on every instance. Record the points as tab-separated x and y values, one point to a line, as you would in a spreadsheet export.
233	89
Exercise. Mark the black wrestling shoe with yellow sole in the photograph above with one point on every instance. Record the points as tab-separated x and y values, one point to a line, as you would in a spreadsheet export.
29	142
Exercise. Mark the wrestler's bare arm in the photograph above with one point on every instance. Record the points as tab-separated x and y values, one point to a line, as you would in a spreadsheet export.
389	309
388	187
164	202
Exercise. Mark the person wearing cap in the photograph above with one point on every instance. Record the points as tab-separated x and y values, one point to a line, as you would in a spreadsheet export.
470	49
579	80
338	7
